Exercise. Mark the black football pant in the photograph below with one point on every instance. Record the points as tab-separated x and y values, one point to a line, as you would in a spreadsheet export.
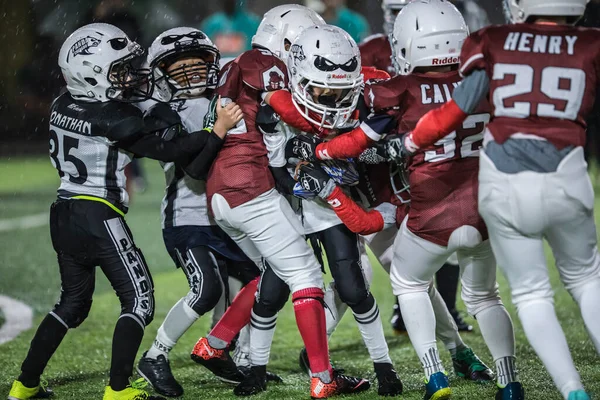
86	234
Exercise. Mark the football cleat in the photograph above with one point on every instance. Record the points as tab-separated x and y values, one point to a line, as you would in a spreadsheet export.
460	322
135	391
271	377
18	391
578	395
340	384
217	361
467	365
514	391
255	381
158	374
397	321
437	387
388	382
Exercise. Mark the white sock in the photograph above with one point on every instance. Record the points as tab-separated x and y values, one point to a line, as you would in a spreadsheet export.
545	335
371	329
241	354
178	321
588	298
498	333
334	308
445	327
261	337
419	319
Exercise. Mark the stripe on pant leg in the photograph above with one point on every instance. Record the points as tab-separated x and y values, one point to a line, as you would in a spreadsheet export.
136	269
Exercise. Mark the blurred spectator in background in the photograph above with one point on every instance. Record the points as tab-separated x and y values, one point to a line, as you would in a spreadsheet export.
475	16
336	13
232	29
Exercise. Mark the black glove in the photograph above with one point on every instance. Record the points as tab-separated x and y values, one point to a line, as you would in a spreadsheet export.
303	147
162	119
396	149
315	180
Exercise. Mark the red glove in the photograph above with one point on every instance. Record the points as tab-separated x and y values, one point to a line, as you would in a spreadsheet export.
356	218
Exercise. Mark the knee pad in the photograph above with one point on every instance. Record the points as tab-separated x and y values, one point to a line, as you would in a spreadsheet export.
72	312
476	302
271	300
140	306
204	298
350	283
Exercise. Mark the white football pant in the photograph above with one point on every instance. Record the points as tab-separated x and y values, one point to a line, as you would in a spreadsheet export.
523	209
414	265
267	227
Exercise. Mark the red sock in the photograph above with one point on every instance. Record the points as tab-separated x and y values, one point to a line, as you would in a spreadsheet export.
237	315
310	318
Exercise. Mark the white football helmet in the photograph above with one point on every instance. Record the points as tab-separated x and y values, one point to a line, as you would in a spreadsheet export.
185	80
427	33
391	8
281	25
100	63
521	10
326	60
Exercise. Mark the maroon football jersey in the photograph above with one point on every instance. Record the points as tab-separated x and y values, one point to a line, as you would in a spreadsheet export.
240	172
443	177
543	78
376	52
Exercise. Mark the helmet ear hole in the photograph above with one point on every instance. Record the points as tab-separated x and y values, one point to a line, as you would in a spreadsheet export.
91	81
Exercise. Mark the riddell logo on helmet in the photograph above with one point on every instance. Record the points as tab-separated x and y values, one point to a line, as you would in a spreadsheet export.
337	76
444	61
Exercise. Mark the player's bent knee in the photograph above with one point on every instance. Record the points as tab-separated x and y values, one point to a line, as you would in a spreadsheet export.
204	298
72	313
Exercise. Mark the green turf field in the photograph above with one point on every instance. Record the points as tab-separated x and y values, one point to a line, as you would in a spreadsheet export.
28	272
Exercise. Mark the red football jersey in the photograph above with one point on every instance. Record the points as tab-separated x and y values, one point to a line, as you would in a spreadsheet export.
443	177
376	52
240	172
543	78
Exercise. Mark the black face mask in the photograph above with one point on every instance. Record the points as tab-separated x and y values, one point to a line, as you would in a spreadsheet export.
324	64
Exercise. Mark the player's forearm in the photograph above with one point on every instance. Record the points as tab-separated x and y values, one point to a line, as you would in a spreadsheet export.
283	180
347	145
437	124
281	102
200	165
357	219
180	150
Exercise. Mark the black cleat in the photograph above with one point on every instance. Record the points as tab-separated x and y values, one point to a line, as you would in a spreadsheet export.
271	377
340	384
255	381
397	321
217	361
158	374
388	380
467	365
461	324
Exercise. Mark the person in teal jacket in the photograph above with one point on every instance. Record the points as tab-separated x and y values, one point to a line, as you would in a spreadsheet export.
336	13
232	29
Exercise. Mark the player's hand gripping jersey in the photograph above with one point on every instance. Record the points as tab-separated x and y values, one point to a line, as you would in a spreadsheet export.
240	171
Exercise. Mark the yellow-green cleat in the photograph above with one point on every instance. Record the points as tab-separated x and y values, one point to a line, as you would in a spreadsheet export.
18	391
135	391
437	387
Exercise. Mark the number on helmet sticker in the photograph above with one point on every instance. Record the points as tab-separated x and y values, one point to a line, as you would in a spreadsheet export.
566	86
471	133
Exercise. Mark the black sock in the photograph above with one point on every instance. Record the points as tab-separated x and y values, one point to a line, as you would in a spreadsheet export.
447	284
43	345
126	342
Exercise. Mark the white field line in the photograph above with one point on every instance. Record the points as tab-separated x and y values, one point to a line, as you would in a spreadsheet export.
18	318
29	221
